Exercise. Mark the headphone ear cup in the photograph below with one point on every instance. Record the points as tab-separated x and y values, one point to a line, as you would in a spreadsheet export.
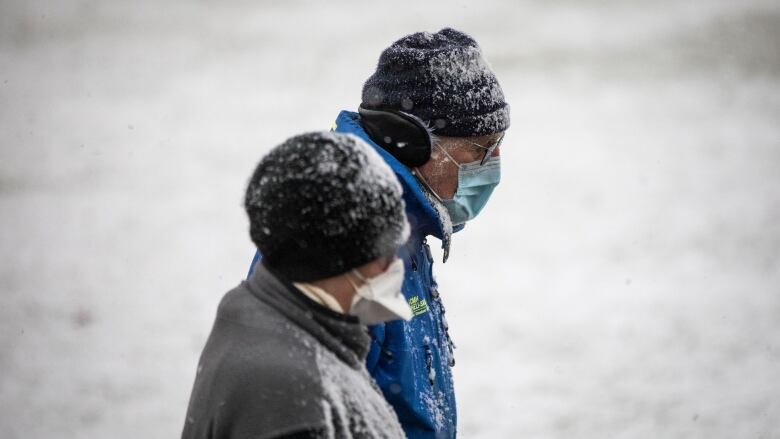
404	136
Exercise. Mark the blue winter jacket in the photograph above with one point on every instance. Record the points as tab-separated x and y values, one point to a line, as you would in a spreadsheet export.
411	361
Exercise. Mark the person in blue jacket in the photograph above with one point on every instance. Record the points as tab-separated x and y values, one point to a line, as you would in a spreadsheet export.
435	112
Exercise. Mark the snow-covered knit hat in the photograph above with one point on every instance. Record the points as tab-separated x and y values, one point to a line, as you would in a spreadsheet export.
321	204
441	78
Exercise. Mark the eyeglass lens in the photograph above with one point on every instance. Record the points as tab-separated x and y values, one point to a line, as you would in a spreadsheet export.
489	150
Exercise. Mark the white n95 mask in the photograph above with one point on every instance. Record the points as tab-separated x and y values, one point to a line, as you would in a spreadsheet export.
379	299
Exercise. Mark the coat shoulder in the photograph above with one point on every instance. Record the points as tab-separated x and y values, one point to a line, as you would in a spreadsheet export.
257	374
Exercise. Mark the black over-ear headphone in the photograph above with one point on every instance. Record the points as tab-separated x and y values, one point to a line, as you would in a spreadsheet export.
403	135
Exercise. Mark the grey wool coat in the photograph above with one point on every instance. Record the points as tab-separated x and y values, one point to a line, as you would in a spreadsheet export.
277	365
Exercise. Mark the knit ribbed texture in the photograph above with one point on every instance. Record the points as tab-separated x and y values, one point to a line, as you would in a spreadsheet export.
443	79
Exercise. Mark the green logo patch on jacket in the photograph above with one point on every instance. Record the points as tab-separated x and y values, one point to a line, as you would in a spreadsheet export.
418	306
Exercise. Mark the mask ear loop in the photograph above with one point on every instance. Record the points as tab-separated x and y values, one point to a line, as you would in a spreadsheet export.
358	275
416	172
357	296
449	156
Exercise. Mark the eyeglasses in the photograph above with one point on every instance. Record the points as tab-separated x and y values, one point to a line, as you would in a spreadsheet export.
488	149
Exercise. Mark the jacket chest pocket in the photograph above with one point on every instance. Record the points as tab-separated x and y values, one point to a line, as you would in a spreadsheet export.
413	345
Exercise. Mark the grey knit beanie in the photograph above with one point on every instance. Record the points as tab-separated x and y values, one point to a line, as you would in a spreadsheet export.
444	80
321	204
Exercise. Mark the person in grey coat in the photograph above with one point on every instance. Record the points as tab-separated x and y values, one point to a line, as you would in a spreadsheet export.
285	357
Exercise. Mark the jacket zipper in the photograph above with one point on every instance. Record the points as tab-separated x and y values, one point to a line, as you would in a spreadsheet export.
434	292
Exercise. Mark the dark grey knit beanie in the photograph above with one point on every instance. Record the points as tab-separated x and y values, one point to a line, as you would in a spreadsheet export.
443	79
323	203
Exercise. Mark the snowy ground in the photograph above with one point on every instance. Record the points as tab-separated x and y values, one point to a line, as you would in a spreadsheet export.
624	282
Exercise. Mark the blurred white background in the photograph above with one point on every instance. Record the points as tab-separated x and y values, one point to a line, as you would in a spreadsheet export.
624	281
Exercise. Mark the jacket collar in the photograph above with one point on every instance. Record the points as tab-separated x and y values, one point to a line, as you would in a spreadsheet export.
427	216
341	334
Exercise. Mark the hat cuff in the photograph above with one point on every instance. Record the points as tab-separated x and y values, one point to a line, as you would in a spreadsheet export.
308	266
477	125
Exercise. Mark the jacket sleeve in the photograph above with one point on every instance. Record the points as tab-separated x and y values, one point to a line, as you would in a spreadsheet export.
377	333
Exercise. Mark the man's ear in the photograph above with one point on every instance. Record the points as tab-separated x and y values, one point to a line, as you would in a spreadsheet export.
405	136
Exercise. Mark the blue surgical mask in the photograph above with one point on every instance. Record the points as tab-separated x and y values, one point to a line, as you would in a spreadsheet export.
475	185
